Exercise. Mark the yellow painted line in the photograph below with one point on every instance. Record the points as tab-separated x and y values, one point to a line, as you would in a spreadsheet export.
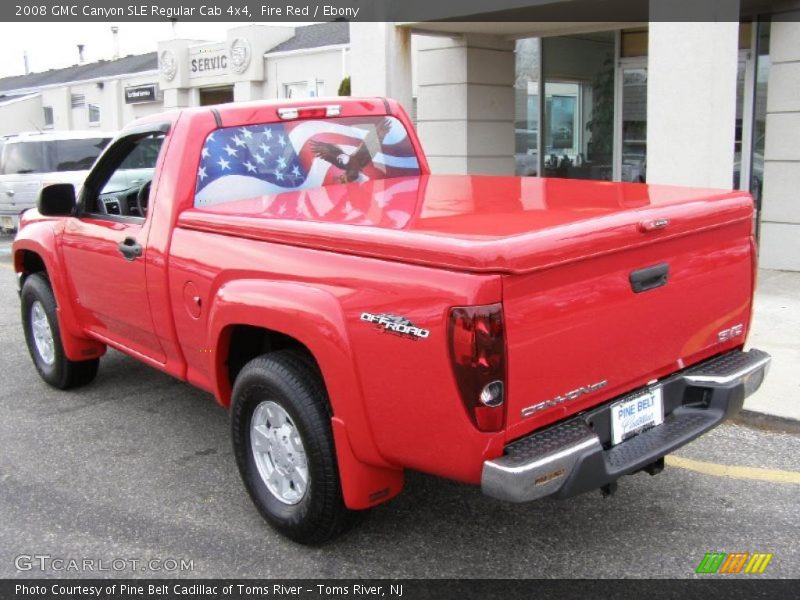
735	472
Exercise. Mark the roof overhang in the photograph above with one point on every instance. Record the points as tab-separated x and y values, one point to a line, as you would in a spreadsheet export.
6	100
299	51
519	18
514	30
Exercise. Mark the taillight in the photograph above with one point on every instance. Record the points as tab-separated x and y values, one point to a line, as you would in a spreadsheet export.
478	354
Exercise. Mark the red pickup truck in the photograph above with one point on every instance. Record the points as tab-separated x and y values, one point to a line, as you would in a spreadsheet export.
360	316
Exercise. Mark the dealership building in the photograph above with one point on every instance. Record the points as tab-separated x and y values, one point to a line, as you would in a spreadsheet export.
709	104
252	62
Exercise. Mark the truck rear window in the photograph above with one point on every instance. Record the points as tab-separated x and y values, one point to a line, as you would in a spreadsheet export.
263	160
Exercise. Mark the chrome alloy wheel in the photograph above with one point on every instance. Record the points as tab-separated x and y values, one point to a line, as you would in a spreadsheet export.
278	452
42	334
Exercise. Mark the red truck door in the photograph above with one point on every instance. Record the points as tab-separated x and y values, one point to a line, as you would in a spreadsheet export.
104	247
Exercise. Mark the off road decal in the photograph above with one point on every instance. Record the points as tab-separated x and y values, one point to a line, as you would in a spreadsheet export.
395	325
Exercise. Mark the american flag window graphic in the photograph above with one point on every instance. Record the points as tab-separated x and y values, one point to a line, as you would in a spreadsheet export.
263	160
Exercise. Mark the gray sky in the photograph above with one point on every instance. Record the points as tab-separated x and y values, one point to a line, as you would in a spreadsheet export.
54	45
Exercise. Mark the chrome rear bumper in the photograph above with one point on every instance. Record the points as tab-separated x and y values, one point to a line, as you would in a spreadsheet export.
573	457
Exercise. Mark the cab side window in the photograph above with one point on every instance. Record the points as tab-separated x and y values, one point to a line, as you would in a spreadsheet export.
120	186
144	155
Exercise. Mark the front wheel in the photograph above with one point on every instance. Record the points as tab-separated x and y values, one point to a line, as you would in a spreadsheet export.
43	337
283	444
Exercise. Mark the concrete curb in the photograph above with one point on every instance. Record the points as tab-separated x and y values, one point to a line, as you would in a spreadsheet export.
765	422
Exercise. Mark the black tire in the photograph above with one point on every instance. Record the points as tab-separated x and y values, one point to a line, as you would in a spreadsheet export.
291	382
61	373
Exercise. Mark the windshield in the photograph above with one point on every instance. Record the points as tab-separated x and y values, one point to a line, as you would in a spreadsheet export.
21	157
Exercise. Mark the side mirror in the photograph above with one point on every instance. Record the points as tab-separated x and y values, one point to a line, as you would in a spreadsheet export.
57	200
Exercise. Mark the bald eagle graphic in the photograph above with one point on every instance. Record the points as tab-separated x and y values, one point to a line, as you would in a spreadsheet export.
353	164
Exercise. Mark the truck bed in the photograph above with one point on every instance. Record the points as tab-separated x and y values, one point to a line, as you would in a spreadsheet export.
578	333
476	223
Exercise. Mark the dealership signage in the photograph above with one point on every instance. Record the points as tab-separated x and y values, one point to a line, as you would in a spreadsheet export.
141	93
208	61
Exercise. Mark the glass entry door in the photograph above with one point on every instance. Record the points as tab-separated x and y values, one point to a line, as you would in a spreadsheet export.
631	151
220	95
578	105
564	95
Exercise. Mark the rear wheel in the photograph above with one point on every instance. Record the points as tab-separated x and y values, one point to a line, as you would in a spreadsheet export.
284	449
43	337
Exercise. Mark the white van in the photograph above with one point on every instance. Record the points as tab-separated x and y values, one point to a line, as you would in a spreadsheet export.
30	160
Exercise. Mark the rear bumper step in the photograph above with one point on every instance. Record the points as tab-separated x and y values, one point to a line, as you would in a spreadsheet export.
575	456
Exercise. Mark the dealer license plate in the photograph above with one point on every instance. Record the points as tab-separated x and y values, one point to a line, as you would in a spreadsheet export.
635	415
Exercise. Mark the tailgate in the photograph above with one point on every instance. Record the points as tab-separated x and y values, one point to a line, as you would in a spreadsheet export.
578	334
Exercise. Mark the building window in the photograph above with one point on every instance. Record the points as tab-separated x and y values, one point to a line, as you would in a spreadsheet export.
304	89
760	111
48	116
78	100
94	114
526	107
633	113
295	90
564	106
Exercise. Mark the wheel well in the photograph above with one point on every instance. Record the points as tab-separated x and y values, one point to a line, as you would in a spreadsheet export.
248	342
29	263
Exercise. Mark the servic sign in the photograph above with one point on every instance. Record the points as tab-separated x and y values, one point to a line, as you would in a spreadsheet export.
208	61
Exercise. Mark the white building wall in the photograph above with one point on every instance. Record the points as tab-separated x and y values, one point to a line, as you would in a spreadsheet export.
58	99
108	94
381	61
94	95
328	66
263	78
691	101
780	216
21	114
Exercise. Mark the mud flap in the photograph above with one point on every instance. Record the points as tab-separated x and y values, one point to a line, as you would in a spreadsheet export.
363	485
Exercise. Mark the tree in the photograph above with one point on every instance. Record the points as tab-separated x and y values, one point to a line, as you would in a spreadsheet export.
344	87
602	124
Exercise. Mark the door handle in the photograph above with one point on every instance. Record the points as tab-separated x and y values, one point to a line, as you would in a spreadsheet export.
130	248
653	225
9	192
649	278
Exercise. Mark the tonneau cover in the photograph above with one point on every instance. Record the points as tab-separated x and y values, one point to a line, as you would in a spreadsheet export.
475	223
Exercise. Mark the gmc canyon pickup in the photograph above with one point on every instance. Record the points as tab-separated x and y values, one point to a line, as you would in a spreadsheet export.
360	316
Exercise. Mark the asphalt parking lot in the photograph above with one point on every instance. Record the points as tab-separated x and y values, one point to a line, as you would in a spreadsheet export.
138	465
